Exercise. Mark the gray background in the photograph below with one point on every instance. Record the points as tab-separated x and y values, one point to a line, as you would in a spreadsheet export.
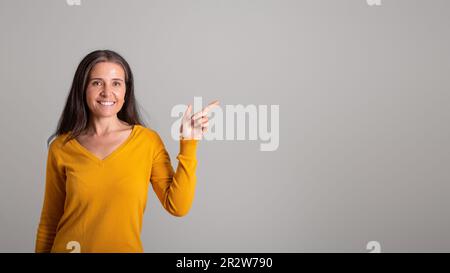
363	94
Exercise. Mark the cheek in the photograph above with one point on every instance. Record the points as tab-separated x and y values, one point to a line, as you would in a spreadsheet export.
121	96
90	96
91	93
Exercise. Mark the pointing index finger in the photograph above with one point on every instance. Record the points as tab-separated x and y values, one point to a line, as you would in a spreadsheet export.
210	106
205	110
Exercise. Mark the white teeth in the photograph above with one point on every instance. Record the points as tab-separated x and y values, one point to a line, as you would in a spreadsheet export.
106	103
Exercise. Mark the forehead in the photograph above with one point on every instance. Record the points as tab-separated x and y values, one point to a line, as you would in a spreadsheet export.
107	70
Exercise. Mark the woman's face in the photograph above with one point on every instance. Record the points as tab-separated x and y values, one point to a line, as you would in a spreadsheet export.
105	92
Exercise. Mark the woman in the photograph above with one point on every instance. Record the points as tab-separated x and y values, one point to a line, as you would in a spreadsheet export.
103	159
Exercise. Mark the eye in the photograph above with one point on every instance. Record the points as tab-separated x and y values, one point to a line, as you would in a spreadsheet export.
117	83
96	83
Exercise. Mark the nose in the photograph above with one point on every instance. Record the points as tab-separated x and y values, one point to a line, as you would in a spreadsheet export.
106	91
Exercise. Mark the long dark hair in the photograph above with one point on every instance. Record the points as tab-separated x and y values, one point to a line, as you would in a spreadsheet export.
75	116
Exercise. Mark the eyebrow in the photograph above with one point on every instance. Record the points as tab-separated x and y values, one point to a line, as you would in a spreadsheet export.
115	79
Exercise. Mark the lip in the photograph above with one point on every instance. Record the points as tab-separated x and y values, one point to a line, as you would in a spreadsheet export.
106	103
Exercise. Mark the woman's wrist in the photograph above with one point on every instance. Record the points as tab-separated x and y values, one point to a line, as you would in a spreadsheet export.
188	147
182	137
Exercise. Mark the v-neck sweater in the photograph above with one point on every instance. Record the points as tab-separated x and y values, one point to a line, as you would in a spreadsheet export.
98	204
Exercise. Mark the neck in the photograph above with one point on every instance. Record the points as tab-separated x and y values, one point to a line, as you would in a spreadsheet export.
101	126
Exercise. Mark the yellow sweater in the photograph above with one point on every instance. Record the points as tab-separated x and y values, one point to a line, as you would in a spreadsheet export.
99	204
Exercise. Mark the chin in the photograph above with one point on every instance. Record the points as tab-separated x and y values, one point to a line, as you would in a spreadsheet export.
105	114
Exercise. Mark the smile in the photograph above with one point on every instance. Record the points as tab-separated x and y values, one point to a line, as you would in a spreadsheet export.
107	103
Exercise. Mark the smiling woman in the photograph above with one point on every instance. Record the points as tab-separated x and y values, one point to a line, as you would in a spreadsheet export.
102	159
105	92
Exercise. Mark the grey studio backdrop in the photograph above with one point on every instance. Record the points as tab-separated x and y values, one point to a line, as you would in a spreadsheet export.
363	93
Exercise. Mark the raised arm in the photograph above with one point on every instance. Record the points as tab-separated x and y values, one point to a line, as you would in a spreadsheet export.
176	190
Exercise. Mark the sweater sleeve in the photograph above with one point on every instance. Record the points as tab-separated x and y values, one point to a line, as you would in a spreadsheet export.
53	206
175	190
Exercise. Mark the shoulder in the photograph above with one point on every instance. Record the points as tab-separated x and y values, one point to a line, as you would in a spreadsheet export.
58	142
148	134
57	146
